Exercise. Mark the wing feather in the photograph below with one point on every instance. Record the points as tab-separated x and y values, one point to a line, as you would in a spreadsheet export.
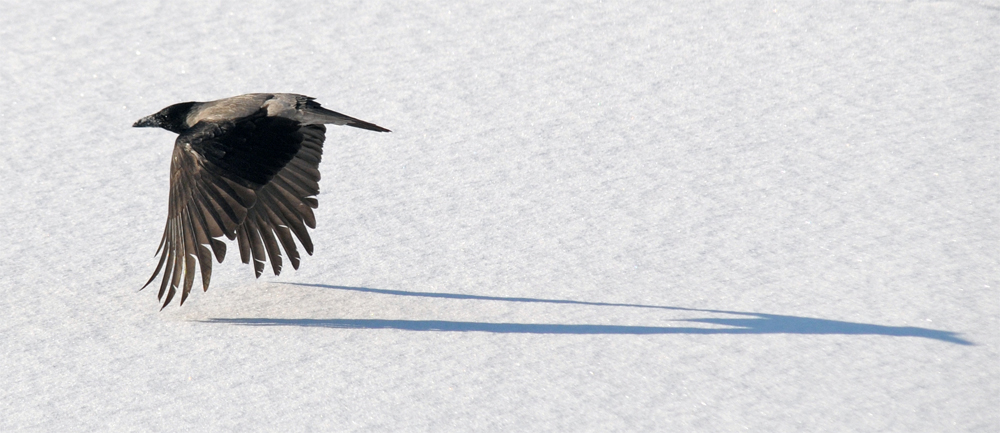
293	216
190	252
281	230
202	246
270	244
251	233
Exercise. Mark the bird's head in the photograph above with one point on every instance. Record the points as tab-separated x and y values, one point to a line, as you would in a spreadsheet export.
172	118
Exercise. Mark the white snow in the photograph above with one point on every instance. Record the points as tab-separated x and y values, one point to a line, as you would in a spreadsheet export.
590	216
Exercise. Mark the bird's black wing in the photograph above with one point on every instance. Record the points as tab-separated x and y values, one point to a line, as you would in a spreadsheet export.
217	173
285	207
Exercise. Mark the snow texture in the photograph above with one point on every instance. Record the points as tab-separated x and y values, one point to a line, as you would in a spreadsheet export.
591	216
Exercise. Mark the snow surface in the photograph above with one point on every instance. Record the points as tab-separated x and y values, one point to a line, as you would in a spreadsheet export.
590	216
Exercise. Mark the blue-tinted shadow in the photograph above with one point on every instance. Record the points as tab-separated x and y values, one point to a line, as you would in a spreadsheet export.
746	323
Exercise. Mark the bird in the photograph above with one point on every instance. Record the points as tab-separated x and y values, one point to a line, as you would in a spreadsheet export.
245	168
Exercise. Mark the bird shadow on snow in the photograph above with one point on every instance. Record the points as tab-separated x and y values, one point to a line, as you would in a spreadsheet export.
736	322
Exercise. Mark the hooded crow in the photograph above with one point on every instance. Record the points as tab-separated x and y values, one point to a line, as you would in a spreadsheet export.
246	168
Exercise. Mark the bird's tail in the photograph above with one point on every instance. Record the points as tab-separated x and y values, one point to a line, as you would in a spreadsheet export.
313	113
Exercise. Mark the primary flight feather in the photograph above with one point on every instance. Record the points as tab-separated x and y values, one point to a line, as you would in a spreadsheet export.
247	168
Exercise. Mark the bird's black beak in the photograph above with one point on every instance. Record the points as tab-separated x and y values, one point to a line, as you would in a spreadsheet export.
146	122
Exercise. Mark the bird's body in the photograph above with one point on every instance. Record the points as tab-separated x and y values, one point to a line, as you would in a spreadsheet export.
246	168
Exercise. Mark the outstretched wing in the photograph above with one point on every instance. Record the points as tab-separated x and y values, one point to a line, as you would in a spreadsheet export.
285	207
217	173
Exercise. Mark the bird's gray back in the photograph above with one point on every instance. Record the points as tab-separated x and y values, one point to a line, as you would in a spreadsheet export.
236	107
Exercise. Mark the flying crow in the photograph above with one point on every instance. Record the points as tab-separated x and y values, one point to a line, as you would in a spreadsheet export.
246	168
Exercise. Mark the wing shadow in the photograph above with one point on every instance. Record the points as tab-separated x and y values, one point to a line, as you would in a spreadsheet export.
743	323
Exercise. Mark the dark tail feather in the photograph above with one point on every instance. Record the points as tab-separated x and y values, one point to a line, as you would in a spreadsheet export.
365	125
341	119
